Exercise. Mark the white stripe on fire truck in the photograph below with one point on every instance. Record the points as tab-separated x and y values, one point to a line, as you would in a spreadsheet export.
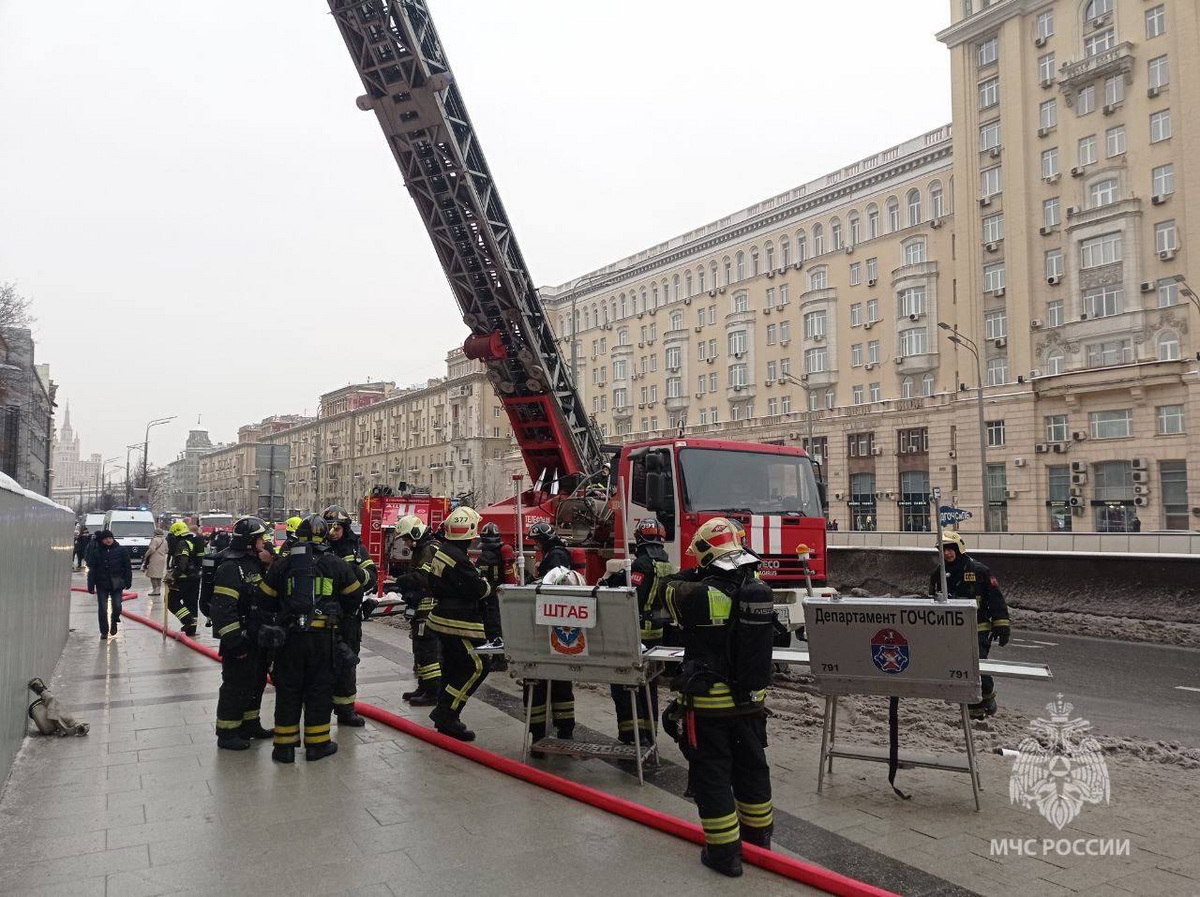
775	540
756	534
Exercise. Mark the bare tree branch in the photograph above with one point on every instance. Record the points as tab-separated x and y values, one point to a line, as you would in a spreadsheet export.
14	308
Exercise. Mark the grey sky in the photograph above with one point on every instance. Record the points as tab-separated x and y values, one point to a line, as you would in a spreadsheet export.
207	224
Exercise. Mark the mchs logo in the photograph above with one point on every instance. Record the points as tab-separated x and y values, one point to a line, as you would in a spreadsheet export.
889	651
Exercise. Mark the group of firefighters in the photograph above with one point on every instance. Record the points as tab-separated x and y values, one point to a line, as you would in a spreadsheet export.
296	611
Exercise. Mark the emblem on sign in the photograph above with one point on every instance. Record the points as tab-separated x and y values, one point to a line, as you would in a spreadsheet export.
889	651
568	641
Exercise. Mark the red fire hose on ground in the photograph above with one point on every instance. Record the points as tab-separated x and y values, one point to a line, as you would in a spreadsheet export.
797	870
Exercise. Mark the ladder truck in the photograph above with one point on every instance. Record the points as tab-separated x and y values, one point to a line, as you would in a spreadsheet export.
592	492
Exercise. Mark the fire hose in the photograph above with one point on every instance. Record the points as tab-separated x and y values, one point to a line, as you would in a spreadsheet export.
798	870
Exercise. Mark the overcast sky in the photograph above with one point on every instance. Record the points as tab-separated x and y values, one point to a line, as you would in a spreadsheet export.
208	226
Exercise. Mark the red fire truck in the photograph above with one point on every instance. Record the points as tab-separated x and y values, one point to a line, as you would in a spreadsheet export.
378	517
577	480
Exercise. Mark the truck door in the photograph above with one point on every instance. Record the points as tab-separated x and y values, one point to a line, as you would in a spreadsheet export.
652	494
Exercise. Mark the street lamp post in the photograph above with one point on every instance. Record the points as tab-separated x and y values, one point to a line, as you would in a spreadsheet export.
146	447
128	482
802	382
967	343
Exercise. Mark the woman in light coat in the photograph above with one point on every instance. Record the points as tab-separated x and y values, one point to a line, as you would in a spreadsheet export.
155	561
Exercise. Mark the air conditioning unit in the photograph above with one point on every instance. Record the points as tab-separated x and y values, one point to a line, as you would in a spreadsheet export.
1141	501
1046	82
876	450
1054	280
674	370
784	342
899	359
1079	479
641	314
738	354
737	387
1158	199
880	494
1034	373
1072	211
687	300
1079	467
767	310
1046	230
1148	286
1166	255
1076	501
721	290
935	223
914	317
870	366
1077	171
1052	179
1101	20
1042	448
1058	448
850	249
1141	463
698	327
780	306
1010	493
998	293
872	281
1000	342
770	275
1044	132
985	201
994	152
818	338
710	292
952	454
1152	92
699	395
868	325
642	345
1141	490
768	382
891	493
709	360
991	247
1039	42
1018	462
1076	491
641	405
1140	476
839	496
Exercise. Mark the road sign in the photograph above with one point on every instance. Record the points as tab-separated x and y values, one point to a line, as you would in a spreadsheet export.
950	516
910	648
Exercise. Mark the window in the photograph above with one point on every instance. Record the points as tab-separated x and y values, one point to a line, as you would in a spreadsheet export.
906	388
783	295
737	342
872	310
1103	302
737	375
814	325
771	335
674	387
927	385
1110	352
914	252
855	274
1168	294
872	222
1058	481
785	251
1156	21
912	302
741	301
785	332
1046	69
989	93
995	433
620	398
1159	72
1173	477
814	399
873	351
1045	24
997	371
914	501
1102	250
785	405
621	369
741	265
1167	346
673	359
835	234
912	441
993	277
1057	428
1114	90
1165	237
855	314
988	51
914	208
1048	113
712	384
1103	193
772	407
860	445
1051	212
1170	420
1097	8
875	390
1160	126
1110	425
1099	42
1115	138
818	240
862	501
893	211
1163	180
997	486
1054	362
1087	150
1054	263
687	279
830	398
816	360
770	300
993	228
676	320
772	370
872	270
1050	162
818	278
995	323
801	246
914	341
728	269
856	395
937	202
855	229
1086	103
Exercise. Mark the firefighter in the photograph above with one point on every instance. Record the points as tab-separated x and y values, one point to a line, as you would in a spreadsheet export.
648	573
183	594
498	564
300	606
553	558
244	663
418	600
718	716
346	545
457	618
967	578
289	539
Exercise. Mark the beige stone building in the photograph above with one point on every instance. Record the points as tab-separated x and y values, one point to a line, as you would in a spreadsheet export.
1047	236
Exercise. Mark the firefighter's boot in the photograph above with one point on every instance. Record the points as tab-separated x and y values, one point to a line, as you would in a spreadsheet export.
252	729
426	694
284	753
232	741
447	722
350	717
722	859
319	751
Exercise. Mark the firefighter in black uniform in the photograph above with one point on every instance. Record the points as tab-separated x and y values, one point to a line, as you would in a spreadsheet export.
718	716
498	565
552	555
346	545
300	606
648	572
183	596
457	618
967	578
414	586
244	663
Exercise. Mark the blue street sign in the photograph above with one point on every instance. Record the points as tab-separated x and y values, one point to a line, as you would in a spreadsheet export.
949	516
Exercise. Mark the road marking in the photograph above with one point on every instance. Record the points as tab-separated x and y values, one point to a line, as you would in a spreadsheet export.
1032	643
1186	688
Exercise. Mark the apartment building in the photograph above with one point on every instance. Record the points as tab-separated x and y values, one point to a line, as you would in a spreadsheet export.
1035	258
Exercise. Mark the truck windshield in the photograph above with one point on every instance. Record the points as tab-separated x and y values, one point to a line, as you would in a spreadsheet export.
216	520
748	482
132	529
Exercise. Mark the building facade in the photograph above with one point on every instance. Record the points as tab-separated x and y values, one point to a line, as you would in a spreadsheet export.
1033	259
183	474
26	413
76	479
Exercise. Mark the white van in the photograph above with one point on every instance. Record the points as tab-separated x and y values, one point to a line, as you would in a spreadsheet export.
94	523
131	527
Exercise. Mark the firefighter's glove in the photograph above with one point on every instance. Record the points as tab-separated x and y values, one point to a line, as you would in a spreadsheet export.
672	719
271	635
1001	634
236	645
346	656
368	607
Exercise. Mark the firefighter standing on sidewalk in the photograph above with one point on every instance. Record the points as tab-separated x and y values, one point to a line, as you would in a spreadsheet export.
183	594
301	606
244	663
719	716
346	545
418	601
967	578
457	618
553	556
498	565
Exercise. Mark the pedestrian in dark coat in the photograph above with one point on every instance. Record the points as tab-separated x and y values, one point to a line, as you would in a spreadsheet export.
109	575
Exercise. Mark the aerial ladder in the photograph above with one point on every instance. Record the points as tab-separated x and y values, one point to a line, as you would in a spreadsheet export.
410	88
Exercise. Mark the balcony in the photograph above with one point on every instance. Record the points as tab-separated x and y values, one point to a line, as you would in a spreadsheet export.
919	270
734	318
828	294
672	337
1081	217
916	364
1074	76
740	393
676	403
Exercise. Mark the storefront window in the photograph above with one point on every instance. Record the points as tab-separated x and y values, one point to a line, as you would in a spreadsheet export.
1113	502
914	501
1058	504
863	513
